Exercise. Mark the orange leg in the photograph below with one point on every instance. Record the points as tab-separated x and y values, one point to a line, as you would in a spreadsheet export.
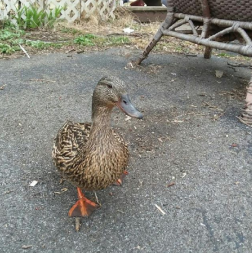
83	207
120	180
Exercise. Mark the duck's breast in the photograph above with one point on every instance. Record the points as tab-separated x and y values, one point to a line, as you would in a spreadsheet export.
104	163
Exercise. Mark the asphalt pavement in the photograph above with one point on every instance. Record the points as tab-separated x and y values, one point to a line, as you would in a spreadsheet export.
189	184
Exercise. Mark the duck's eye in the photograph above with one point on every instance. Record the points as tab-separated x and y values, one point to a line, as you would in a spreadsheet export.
109	86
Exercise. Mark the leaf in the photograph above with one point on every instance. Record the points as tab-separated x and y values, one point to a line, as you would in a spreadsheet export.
26	246
218	73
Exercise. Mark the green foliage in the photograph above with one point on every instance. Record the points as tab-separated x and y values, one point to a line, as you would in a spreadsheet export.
27	18
224	54
31	18
10	38
38	44
117	40
85	40
92	40
7	34
7	49
53	16
70	30
6	24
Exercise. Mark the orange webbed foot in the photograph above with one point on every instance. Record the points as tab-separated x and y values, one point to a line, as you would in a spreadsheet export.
83	207
119	181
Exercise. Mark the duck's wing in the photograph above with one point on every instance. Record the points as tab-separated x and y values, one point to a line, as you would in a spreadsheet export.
69	141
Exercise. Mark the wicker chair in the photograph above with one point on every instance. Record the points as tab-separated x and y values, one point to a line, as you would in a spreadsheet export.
220	21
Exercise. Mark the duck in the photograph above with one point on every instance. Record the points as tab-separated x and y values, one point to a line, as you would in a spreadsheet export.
93	156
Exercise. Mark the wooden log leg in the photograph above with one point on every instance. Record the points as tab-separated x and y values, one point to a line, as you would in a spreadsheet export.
246	116
147	50
167	23
208	52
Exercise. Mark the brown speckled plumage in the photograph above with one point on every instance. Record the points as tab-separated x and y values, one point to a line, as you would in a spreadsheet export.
93	156
90	163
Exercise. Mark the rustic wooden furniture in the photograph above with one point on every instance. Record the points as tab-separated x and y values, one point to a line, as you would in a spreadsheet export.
220	21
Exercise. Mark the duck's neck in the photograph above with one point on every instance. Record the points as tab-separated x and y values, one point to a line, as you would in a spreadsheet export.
101	116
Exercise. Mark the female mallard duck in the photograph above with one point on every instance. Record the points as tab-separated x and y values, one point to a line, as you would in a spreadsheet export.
93	156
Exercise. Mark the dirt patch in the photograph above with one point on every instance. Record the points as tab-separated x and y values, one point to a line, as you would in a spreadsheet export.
48	36
62	39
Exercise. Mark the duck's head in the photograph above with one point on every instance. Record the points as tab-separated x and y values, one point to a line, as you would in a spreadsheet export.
110	92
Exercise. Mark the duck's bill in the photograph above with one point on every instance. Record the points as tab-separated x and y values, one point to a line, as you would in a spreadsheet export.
125	105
